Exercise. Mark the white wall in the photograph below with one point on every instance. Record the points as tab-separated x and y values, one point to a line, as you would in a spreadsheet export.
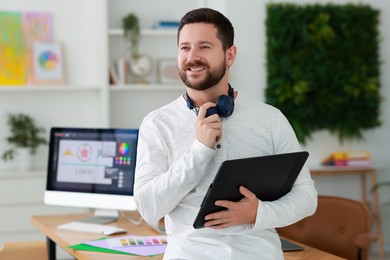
249	76
80	39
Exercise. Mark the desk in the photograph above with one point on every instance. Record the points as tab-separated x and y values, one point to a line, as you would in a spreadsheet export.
363	172
48	226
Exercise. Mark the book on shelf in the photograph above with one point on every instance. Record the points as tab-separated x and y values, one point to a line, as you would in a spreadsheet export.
350	163
166	24
348	158
123	71
113	76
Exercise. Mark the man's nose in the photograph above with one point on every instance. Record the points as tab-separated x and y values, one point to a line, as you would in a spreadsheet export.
193	55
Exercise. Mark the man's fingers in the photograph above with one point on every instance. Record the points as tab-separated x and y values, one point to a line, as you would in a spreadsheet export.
208	130
247	193
203	109
218	223
225	203
217	215
221	226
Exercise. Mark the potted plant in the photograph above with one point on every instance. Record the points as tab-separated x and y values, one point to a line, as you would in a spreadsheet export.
140	65
24	137
131	30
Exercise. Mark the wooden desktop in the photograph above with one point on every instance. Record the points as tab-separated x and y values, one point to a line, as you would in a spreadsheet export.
64	238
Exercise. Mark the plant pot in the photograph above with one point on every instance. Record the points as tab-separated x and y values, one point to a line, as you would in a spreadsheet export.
24	158
140	67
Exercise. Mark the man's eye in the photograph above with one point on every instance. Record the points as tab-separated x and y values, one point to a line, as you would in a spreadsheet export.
184	48
205	47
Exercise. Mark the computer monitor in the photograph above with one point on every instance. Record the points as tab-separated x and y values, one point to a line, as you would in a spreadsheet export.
92	168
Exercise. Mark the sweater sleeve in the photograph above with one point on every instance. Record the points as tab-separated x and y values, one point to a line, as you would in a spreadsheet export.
158	186
301	201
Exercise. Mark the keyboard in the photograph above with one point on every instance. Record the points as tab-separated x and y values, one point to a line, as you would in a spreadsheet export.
93	228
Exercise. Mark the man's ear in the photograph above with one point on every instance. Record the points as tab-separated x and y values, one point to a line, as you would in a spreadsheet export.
231	55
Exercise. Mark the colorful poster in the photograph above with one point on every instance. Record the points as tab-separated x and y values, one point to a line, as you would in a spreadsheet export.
38	27
47	63
13	56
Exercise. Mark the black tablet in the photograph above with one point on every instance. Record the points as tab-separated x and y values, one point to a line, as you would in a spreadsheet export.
269	177
288	246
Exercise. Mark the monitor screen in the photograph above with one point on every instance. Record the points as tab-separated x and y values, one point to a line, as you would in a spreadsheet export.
93	168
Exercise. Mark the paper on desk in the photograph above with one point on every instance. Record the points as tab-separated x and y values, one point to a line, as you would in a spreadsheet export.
84	247
143	250
126	241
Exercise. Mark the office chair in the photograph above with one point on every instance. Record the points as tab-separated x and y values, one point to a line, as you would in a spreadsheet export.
32	250
340	226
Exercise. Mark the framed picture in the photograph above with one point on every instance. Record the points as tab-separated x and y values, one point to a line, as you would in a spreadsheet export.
47	63
167	71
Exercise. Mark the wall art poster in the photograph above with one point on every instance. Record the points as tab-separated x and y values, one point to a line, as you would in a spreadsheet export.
168	72
38	27
47	63
13	56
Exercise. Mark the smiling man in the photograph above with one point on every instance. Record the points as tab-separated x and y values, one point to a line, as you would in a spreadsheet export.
182	145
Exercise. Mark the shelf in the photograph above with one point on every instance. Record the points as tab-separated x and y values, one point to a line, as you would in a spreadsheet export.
31	88
16	174
149	87
146	32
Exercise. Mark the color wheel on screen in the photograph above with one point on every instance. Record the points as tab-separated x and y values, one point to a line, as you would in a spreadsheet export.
48	60
123	148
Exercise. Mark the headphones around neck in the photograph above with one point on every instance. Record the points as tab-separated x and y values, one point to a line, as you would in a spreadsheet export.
224	106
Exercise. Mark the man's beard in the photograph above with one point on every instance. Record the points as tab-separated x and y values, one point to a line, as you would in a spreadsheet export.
209	81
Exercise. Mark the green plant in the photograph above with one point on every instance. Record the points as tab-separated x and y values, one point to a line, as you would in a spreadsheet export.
323	67
131	29
24	133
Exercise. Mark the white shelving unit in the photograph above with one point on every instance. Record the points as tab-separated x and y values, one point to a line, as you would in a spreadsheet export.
45	88
92	39
147	97
145	32
22	196
128	104
87	100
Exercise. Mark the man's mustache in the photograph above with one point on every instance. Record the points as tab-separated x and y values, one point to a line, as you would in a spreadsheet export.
195	64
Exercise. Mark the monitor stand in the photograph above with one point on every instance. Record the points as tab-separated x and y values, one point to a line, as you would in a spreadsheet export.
102	216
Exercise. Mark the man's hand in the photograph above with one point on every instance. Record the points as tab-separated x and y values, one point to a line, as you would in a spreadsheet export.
236	213
208	129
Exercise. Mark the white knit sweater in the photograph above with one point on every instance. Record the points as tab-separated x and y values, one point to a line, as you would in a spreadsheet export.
174	171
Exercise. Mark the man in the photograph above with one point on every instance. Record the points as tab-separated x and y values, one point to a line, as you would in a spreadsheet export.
180	150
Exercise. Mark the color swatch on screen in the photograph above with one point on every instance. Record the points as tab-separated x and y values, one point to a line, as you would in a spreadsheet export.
122	160
123	148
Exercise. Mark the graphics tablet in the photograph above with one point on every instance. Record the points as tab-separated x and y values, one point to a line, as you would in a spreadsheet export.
288	246
269	177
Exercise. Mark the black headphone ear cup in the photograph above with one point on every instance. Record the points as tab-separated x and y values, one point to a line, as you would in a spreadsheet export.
225	105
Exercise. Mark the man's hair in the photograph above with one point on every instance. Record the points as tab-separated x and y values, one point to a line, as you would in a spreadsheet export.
225	31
